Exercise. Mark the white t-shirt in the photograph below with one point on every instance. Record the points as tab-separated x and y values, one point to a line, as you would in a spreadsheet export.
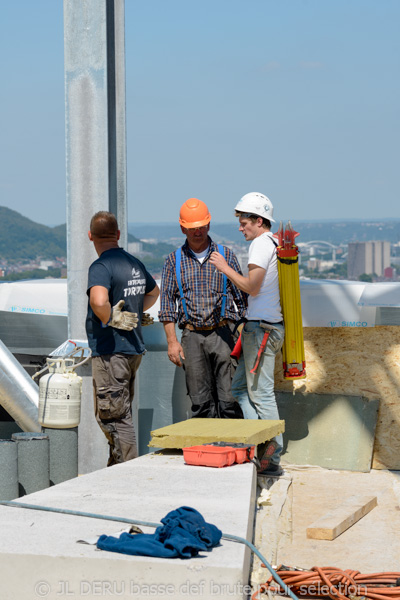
266	305
201	255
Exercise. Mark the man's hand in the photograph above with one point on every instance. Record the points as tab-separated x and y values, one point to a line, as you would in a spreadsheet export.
175	353
122	319
147	319
218	261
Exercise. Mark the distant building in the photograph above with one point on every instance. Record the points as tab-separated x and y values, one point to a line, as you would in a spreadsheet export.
317	264
367	257
45	264
135	247
313	264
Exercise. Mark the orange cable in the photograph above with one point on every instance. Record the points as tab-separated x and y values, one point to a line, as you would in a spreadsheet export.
331	581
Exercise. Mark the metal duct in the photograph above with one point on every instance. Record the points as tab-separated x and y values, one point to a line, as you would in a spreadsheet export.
19	395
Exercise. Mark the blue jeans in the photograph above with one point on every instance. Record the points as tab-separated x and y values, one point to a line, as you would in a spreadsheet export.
255	392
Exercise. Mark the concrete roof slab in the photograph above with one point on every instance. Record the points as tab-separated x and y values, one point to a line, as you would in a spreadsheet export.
41	556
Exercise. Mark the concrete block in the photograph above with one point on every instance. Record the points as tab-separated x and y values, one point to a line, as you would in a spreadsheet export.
41	556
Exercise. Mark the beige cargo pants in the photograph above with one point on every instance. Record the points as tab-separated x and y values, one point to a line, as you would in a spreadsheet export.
113	388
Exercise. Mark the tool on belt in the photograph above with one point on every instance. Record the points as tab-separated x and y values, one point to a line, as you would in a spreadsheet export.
238	346
260	351
237	349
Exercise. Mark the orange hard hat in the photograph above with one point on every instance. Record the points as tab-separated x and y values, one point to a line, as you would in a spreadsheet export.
194	213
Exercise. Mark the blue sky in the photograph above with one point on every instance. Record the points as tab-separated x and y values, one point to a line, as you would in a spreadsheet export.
298	99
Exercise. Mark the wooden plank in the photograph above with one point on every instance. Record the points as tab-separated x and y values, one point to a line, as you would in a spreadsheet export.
201	431
341	518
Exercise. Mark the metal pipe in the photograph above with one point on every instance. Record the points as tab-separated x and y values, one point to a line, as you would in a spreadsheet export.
19	395
94	51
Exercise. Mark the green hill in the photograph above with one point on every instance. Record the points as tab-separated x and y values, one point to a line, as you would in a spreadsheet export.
21	238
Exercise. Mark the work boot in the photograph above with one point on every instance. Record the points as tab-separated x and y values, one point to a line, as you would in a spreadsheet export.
265	453
271	471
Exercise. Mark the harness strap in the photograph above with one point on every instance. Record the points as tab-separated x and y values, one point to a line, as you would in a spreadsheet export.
222	251
178	259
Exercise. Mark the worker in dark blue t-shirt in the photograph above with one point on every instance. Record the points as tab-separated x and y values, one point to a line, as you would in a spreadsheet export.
120	289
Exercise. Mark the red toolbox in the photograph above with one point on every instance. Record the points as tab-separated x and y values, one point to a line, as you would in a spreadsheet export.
209	456
218	454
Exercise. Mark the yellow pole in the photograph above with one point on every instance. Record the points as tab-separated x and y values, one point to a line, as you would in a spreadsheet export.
294	364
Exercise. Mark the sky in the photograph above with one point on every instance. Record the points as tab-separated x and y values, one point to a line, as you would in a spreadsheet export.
297	99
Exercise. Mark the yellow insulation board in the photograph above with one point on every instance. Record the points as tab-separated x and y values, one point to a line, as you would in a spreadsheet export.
194	432
356	361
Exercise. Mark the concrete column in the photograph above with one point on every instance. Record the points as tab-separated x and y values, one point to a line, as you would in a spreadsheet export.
33	461
9	470
94	48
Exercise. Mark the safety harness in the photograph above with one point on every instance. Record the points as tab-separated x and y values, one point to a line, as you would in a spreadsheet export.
178	259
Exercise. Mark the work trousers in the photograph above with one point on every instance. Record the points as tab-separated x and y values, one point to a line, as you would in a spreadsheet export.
113	388
255	392
208	371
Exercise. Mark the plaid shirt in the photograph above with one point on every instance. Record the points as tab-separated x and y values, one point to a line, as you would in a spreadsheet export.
202	288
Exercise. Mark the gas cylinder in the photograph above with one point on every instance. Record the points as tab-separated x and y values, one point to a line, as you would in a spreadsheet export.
60	395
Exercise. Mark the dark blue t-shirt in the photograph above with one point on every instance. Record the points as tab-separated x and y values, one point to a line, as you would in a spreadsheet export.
125	278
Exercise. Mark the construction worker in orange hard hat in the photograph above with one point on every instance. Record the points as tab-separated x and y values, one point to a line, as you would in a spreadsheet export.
206	305
194	213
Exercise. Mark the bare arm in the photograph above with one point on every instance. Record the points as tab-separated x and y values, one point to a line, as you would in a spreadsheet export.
100	303
151	298
175	350
250	284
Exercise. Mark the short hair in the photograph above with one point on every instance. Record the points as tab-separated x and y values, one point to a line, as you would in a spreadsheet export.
253	218
103	225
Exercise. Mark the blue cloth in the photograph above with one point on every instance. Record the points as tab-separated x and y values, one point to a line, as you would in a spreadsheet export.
184	534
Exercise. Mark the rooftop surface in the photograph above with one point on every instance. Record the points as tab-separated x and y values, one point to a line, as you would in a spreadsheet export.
41	555
289	505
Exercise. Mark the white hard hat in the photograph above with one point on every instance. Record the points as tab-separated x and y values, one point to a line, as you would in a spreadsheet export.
256	204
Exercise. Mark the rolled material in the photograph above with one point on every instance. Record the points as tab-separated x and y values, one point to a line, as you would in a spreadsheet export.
19	395
9	470
63	453
33	462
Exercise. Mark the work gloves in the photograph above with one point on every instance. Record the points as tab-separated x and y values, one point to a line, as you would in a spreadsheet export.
147	319
127	320
122	319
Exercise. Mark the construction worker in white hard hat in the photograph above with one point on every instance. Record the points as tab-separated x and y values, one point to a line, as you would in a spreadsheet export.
205	305
263	331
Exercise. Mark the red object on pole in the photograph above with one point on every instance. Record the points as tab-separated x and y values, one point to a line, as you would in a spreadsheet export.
260	351
237	350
